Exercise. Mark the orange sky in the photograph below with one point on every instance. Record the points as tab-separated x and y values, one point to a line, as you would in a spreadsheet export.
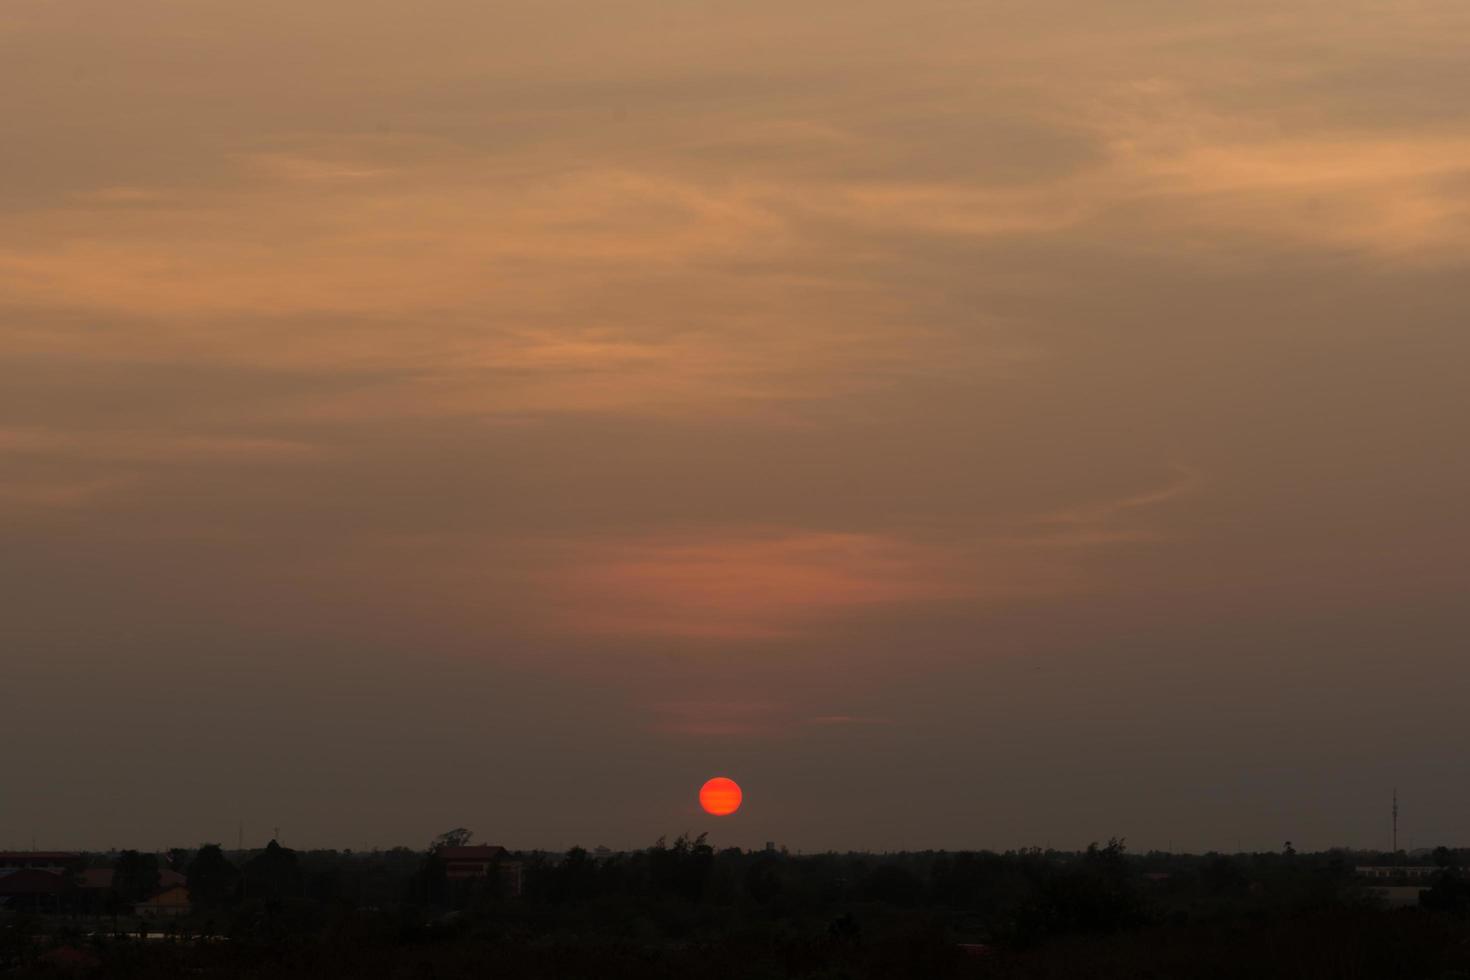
1052	413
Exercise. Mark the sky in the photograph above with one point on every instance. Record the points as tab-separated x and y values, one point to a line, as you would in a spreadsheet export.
971	424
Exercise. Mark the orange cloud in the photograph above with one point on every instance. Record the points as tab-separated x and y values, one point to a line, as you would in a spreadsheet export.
720	718
769	584
61	494
1107	521
745	586
847	720
150	447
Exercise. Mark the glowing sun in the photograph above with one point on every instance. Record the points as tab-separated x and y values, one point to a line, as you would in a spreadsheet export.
720	796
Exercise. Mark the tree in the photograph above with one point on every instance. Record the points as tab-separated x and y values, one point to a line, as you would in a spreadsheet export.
762	880
273	874
1222	875
458	837
1450	893
893	885
1095	895
683	869
212	879
135	876
575	878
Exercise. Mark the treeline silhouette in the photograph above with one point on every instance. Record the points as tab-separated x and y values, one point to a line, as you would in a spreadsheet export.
685	908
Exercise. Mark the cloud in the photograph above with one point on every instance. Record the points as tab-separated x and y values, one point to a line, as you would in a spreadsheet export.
151	447
1394	196
56	468
743	585
36	492
713	237
1107	521
842	721
720	718
770	584
731	717
599	289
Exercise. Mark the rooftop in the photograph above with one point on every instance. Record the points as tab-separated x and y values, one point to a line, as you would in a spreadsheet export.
474	852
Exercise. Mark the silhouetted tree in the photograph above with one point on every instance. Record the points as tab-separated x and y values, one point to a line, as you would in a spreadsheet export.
1449	893
1221	875
212	879
458	837
893	885
575	879
762	881
683	869
845	929
273	874
1096	895
135	876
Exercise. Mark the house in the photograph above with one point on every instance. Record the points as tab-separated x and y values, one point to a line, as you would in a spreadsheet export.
69	959
1418	871
32	881
95	879
33	888
170	901
475	861
482	861
55	861
96	895
37	879
1399	896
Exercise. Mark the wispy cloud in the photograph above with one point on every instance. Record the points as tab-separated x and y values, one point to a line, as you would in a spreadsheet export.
1112	520
752	585
721	718
151	447
1357	188
27	493
727	584
842	721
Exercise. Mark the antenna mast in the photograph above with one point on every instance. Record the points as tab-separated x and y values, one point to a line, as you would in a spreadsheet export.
1395	819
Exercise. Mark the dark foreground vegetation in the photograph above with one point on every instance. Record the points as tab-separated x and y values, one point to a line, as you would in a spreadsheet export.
686	910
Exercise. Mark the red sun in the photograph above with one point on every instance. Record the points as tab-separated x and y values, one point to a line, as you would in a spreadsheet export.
720	796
